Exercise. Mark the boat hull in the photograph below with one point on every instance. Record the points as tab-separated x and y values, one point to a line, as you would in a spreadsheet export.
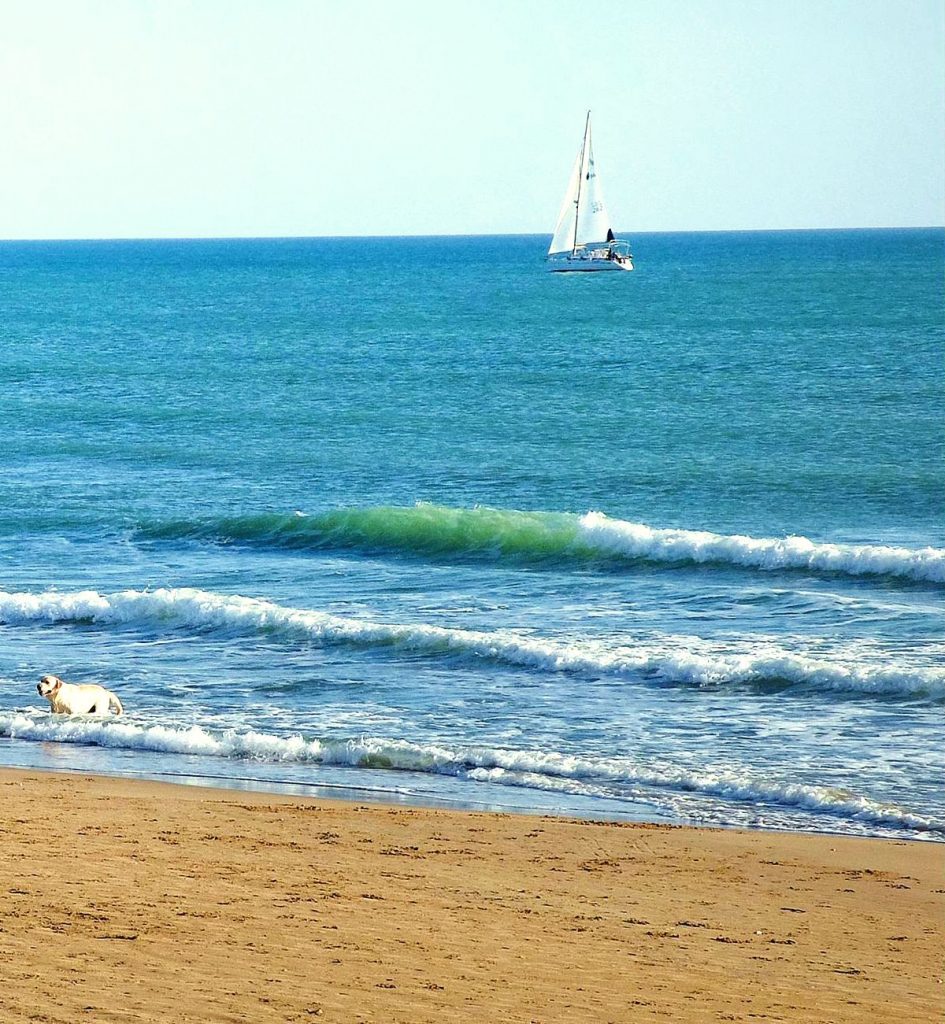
585	265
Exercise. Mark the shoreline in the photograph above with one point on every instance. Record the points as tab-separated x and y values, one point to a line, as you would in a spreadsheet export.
344	793
153	901
403	788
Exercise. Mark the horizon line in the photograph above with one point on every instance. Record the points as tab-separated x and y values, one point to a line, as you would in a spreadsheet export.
461	234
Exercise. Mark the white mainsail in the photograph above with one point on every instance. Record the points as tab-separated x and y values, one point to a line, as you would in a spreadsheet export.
583	217
593	223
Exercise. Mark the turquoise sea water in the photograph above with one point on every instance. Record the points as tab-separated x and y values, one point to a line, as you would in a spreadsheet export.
414	517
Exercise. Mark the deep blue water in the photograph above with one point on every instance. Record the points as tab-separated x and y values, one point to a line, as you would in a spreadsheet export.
415	516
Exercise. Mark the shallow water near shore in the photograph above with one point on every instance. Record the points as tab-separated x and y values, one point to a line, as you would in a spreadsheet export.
410	516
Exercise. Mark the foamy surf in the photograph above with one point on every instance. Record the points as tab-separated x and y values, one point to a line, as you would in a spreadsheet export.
434	531
550	771
672	660
638	541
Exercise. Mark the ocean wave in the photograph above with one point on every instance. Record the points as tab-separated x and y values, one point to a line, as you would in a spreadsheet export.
434	531
615	778
673	660
639	541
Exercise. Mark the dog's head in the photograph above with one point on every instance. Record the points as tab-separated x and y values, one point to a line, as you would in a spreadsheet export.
48	686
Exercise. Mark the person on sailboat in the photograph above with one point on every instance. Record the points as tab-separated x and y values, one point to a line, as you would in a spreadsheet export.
611	251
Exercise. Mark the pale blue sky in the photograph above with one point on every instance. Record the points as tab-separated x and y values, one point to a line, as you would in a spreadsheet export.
145	118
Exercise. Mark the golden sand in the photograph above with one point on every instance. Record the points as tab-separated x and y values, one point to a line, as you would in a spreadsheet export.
138	901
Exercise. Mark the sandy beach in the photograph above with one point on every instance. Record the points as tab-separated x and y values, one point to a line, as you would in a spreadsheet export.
139	901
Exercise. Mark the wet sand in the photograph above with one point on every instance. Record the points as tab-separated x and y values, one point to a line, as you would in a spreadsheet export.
138	901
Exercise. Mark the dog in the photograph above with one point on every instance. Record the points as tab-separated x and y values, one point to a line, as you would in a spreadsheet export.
77	698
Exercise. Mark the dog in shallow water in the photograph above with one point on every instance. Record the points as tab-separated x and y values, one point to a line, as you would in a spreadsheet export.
77	698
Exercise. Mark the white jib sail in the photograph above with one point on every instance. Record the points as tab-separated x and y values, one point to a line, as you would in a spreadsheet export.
563	240
583	217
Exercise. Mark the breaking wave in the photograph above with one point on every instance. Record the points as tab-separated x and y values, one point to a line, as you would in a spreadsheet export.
666	659
434	531
615	778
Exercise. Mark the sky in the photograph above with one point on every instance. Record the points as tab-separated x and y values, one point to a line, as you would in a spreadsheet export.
216	118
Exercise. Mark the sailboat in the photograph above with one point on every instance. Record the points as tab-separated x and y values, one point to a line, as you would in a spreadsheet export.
583	238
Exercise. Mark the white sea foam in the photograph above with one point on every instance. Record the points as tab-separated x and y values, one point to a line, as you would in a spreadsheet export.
635	540
616	778
686	660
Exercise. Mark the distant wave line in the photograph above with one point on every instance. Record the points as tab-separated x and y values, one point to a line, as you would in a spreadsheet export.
434	531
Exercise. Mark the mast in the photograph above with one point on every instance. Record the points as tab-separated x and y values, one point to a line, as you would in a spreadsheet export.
577	200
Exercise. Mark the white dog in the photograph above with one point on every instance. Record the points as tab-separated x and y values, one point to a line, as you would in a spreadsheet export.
77	698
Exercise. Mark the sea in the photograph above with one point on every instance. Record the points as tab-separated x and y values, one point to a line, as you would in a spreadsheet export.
412	520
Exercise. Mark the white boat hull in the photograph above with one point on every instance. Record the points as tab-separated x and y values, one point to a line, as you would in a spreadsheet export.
585	264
